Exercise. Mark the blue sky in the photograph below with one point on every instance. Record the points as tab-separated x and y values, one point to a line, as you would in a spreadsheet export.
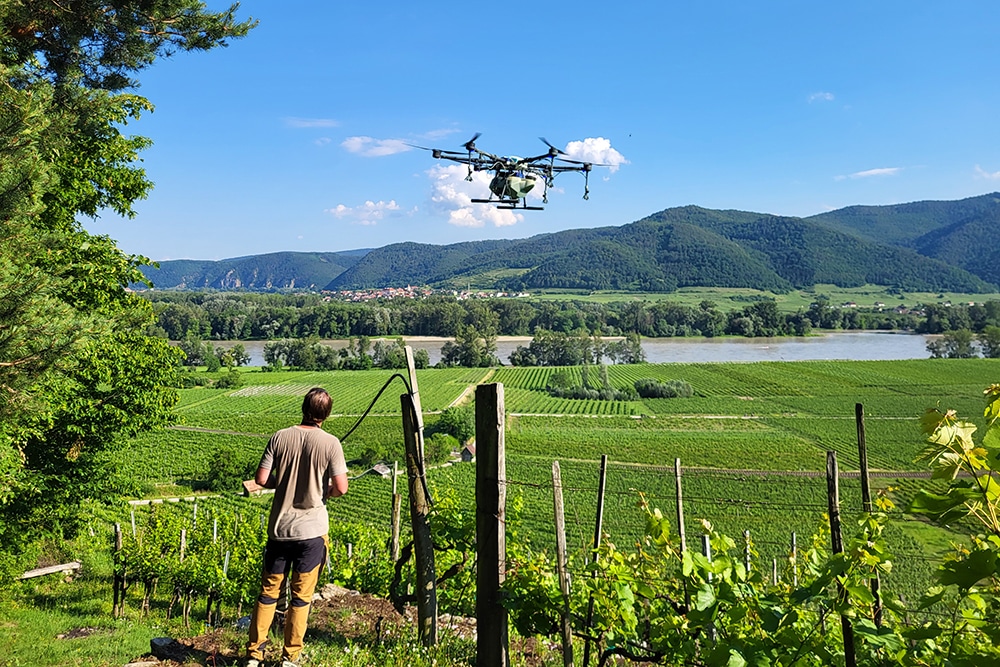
294	137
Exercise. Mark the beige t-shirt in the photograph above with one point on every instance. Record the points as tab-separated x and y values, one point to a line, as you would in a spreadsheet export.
303	460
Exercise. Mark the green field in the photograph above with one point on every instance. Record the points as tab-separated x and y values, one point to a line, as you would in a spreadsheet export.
726	298
751	441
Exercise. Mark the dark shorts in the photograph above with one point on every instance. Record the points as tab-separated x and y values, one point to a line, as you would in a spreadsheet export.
300	556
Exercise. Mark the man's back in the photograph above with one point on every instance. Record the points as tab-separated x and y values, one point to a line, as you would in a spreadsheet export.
303	459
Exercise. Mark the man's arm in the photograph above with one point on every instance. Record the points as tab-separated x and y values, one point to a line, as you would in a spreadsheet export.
264	478
337	487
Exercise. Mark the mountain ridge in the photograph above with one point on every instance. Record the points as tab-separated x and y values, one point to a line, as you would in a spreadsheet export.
935	246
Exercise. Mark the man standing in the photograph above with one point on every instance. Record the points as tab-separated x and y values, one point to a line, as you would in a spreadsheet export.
305	466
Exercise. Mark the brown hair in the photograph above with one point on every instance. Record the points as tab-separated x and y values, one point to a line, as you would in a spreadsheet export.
316	405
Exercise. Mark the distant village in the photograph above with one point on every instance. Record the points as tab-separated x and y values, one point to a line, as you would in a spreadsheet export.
409	292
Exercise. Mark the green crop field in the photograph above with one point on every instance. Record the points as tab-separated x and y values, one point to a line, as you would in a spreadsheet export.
733	298
751	441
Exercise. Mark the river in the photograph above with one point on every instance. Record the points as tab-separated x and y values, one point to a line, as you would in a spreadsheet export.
857	345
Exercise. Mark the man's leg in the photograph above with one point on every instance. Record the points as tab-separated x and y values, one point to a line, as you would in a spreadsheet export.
275	570
305	574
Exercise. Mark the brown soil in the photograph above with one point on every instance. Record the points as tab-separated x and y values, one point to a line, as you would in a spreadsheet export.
76	633
339	614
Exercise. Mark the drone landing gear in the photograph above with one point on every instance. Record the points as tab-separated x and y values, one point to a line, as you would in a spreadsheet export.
508	204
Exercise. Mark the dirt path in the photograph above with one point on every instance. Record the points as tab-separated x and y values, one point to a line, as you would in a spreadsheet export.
464	396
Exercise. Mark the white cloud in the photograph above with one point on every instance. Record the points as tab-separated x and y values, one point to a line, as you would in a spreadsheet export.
322	141
311	122
452	193
368	213
990	176
869	173
597	150
371	147
821	97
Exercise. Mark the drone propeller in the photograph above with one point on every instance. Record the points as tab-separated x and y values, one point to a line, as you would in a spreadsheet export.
553	151
586	165
470	145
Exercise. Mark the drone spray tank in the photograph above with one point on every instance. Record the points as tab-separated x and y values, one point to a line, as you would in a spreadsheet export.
510	182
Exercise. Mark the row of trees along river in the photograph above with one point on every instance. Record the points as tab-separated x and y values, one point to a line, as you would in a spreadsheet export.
228	316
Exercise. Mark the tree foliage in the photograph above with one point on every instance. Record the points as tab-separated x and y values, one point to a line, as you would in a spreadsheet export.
77	371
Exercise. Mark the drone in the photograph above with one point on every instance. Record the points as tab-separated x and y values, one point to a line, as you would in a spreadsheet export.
514	177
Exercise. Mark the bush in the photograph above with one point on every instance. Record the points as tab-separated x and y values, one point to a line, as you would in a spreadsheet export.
189	380
230	380
651	388
228	467
438	447
458	422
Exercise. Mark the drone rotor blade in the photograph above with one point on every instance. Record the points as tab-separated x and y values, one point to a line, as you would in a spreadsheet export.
553	151
470	145
586	164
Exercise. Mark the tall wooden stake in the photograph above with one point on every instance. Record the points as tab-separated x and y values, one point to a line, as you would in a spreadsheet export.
561	562
746	550
680	504
397	503
837	546
795	560
411	371
423	545
706	551
598	529
118	586
491	536
866	503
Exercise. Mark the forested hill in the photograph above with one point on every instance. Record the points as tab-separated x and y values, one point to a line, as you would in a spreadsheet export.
678	247
925	246
955	232
304	270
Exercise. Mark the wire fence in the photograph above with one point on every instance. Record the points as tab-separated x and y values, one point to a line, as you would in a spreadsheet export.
774	509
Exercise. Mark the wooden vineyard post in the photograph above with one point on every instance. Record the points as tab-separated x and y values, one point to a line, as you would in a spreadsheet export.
118	586
598	529
795	560
491	516
866	502
560	517
680	504
397	503
411	370
746	550
423	545
420	507
837	546
706	551
680	523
